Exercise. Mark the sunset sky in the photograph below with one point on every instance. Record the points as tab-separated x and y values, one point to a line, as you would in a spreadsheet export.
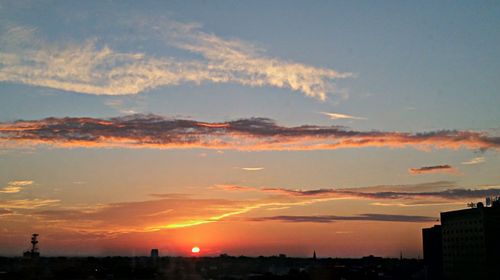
247	128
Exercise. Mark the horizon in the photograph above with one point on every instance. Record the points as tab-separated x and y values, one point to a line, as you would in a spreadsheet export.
247	128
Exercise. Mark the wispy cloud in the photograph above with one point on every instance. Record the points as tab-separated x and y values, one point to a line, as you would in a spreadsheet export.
5	211
89	68
432	169
27	203
153	215
235	188
142	216
410	195
15	186
475	160
333	218
252	168
412	188
246	64
173	211
151	131
337	116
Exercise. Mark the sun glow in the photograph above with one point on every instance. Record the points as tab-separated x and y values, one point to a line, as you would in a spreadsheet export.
195	250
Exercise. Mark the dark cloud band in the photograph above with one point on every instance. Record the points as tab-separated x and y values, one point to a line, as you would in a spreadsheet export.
433	169
380	192
362	217
143	131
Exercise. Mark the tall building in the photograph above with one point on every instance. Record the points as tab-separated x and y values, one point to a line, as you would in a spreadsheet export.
470	243
433	252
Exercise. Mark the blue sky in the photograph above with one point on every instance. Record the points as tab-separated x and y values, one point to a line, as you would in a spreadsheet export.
419	66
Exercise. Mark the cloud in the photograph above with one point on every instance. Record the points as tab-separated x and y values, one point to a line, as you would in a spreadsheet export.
15	186
475	160
89	69
411	195
4	211
432	169
252	168
21	183
168	212
411	188
10	189
173	211
337	116
27	203
151	131
235	188
248	65
332	218
99	69
417	203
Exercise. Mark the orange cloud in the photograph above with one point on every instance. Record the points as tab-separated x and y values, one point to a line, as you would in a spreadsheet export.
152	215
5	211
15	186
27	203
151	131
175	211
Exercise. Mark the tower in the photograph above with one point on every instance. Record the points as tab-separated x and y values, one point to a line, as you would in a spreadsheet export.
155	253
33	252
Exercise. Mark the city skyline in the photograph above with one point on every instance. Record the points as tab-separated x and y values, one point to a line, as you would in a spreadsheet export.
246	128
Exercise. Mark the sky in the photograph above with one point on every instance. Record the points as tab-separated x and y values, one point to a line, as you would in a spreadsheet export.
247	128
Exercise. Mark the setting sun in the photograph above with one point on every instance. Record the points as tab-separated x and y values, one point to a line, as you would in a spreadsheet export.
195	250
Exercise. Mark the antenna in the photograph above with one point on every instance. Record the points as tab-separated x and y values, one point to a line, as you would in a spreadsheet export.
33	251
34	242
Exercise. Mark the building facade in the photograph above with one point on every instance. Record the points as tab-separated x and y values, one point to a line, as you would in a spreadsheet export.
470	241
433	252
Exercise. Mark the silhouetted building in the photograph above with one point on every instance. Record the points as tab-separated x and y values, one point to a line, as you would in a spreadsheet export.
433	252
155	253
470	243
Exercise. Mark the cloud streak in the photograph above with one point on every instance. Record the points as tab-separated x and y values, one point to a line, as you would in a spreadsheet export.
174	211
15	186
92	69
333	218
432	169
337	116
476	160
248	65
171	212
252	168
411	195
5	211
27	203
151	131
